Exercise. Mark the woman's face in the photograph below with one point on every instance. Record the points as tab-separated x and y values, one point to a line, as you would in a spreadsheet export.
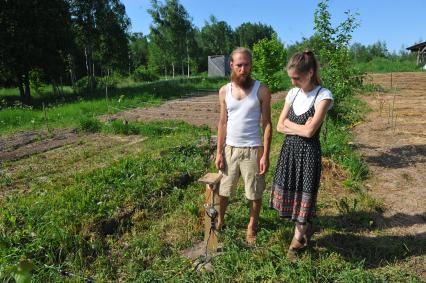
301	80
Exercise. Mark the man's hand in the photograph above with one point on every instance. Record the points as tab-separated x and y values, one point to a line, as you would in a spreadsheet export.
263	165
220	164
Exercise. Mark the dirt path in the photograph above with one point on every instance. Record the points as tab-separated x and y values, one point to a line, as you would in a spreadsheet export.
393	142
198	110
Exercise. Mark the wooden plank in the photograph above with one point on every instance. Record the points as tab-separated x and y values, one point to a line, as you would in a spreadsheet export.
210	178
211	199
212	181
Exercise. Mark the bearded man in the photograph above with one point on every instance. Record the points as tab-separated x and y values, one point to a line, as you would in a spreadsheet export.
245	104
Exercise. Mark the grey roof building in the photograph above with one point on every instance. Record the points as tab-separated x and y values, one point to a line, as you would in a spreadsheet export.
420	48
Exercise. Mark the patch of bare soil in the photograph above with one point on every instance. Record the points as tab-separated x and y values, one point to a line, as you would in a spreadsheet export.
393	142
27	143
56	158
197	110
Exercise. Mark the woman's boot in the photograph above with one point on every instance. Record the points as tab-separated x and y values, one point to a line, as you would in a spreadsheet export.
295	245
308	234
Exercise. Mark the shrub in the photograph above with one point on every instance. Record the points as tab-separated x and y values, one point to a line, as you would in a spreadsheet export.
268	59
110	81
337	72
124	128
142	74
90	125
37	80
85	84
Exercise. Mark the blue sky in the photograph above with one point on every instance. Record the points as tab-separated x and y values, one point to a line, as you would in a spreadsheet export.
399	22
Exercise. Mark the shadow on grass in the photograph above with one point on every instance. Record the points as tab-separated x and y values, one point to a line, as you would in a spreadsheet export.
374	251
346	235
358	221
378	250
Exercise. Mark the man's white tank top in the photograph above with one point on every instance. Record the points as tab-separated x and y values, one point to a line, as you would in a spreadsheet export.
243	127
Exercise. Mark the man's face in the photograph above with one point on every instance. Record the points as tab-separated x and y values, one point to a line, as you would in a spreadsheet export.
241	69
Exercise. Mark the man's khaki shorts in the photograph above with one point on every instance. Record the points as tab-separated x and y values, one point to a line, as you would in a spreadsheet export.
244	161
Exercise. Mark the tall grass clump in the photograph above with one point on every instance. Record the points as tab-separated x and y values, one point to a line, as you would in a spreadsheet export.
90	125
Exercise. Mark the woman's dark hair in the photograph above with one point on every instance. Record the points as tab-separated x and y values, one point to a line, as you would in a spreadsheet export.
303	62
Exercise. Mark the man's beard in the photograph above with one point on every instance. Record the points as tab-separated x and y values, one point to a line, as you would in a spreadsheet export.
243	81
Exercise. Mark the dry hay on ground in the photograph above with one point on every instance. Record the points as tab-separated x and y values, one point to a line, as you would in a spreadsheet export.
393	142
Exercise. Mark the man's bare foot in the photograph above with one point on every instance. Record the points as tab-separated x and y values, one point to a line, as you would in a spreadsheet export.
251	236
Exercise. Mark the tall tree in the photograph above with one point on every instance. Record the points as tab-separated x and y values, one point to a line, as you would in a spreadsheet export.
100	28
138	48
34	34
312	43
338	74
215	38
171	35
247	34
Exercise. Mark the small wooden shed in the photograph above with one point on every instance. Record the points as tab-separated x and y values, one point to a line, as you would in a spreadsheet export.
420	48
218	66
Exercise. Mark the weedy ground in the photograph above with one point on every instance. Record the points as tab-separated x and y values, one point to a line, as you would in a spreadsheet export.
123	201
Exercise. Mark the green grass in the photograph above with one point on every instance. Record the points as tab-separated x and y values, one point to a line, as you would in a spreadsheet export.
129	221
387	65
68	110
69	226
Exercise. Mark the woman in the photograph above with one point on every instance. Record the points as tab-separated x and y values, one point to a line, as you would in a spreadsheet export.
297	175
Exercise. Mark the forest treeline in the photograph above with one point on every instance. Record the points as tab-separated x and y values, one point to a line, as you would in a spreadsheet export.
82	42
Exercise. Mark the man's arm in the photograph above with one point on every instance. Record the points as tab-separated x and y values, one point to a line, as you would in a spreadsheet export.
265	101
221	129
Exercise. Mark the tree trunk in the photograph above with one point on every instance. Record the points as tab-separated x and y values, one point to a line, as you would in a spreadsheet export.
27	92
188	68
71	78
173	70
183	69
87	63
71	70
187	55
130	62
61	86
54	87
21	87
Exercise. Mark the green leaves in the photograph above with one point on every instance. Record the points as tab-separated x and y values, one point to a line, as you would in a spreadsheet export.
247	34
172	38
337	71
269	58
21	273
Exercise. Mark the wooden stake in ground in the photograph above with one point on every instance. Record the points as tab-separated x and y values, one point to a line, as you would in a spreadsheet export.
211	206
